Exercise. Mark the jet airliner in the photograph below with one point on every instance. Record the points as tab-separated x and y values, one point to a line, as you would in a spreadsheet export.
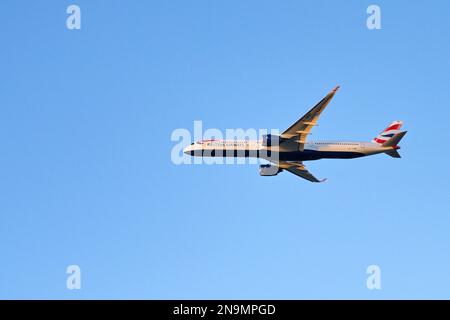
289	150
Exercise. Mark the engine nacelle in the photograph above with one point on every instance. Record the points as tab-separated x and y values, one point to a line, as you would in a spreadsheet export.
269	140
269	170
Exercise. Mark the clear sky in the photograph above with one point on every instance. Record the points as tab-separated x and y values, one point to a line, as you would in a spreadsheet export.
86	176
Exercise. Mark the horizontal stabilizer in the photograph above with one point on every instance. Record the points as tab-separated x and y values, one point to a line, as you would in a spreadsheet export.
392	142
393	153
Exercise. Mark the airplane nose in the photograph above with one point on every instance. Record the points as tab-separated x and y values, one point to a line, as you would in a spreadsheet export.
187	150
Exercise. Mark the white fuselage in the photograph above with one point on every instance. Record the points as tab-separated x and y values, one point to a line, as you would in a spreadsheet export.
313	150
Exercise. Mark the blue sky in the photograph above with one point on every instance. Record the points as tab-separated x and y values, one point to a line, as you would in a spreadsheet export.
86	176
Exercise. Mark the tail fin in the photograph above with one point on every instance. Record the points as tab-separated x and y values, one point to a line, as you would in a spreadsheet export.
388	133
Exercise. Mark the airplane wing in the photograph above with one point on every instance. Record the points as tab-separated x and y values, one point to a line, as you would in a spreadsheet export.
303	126
297	168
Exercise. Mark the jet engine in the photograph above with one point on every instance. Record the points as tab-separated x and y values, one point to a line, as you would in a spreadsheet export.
269	170
269	140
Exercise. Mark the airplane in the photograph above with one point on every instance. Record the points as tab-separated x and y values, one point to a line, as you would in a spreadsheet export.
289	150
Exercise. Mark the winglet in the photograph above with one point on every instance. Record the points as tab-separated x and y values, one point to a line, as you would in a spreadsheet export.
335	89
323	180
